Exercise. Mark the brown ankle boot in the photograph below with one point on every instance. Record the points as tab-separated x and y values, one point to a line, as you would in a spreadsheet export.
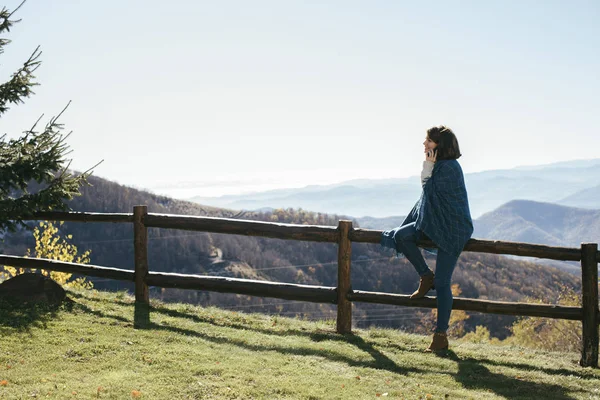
425	285
439	342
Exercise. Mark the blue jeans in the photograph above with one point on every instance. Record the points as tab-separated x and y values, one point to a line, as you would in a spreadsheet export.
406	243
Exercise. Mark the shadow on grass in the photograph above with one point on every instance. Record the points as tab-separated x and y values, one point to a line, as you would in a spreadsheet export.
357	340
316	336
101	314
24	316
472	374
583	374
380	361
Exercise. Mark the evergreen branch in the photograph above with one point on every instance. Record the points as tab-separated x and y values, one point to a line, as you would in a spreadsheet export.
17	9
32	157
88	172
3	42
21	83
5	15
64	170
6	22
36	160
62	112
32	130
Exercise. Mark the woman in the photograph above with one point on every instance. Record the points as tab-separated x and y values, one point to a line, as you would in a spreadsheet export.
441	215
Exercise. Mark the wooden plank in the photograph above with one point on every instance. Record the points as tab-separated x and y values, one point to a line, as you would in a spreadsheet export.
589	294
81	216
344	306
140	244
313	233
484	306
61	266
487	246
306	232
289	291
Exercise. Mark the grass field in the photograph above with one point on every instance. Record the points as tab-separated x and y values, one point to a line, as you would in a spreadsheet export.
89	349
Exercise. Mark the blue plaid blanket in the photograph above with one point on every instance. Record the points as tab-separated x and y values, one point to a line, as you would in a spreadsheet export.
442	212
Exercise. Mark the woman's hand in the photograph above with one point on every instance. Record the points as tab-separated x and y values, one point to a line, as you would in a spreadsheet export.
431	155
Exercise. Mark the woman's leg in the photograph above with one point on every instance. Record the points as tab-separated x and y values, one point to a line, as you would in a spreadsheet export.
443	277
406	243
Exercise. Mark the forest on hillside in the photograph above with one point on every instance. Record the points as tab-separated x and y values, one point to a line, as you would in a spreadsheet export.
478	275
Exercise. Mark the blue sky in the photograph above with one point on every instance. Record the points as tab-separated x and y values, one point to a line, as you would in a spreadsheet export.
211	97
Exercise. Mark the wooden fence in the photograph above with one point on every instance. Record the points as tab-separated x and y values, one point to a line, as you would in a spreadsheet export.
343	295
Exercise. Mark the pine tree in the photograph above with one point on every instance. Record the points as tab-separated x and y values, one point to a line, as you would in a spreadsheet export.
34	173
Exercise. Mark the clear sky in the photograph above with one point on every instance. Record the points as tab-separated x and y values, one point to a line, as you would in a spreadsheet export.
212	97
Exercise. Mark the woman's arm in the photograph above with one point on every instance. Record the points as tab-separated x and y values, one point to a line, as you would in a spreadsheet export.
426	172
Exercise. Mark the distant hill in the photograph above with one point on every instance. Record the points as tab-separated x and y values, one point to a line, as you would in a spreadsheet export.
380	223
382	198
349	199
586	198
543	223
373	268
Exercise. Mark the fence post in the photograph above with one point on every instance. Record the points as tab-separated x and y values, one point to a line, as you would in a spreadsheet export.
344	306
589	294
141	317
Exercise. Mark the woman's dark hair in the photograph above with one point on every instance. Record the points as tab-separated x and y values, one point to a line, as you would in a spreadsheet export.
447	144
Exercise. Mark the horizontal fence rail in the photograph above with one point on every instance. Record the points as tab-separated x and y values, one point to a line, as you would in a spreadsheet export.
292	291
343	295
483	306
288	291
312	233
82	216
488	246
62	266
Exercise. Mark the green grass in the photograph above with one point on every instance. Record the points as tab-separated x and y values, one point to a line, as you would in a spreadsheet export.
91	350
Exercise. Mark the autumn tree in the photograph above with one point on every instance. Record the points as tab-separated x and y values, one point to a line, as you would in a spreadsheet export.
548	333
49	244
34	173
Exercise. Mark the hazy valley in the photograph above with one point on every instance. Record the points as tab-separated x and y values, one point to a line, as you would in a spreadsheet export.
478	275
574	184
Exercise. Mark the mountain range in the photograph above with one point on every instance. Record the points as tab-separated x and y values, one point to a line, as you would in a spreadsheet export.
537	222
571	183
484	276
